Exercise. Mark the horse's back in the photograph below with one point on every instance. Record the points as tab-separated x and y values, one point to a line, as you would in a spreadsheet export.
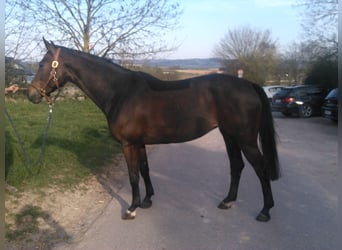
158	85
232	97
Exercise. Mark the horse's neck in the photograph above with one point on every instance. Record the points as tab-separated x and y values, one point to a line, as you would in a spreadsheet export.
102	86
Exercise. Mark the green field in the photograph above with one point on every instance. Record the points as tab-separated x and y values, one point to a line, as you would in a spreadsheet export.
78	144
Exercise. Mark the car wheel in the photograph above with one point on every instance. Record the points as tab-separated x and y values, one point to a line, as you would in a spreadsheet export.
305	111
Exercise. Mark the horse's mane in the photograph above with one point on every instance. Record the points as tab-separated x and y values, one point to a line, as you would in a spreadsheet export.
95	58
153	82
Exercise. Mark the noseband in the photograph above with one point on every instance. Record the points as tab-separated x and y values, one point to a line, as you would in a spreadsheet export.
52	77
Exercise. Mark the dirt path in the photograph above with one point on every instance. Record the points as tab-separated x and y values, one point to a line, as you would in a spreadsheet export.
42	220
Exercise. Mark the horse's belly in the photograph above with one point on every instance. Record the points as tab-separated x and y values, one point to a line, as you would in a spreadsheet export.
179	131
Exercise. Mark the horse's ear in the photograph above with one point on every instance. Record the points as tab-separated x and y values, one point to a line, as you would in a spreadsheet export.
48	45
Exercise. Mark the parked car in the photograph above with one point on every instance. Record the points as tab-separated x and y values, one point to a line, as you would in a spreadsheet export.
272	90
303	100
330	105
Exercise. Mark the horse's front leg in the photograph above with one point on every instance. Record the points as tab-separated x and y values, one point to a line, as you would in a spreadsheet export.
132	156
144	170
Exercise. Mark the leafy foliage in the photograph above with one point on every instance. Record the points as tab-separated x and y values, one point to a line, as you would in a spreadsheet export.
324	72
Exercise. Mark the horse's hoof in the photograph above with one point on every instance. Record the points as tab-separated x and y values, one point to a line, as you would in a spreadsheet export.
225	205
129	215
263	217
146	204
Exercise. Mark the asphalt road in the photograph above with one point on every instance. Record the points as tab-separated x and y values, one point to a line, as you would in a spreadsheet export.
190	179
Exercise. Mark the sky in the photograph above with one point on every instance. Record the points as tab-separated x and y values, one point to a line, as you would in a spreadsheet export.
205	22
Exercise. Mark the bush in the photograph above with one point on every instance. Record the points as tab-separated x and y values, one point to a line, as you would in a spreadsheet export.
324	72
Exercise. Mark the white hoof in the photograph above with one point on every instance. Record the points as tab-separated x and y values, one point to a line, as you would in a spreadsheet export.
129	215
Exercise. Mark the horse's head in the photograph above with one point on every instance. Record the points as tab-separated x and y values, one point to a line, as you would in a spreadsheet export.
49	76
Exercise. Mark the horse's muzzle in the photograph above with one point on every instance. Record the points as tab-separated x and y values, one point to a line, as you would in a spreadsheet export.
33	95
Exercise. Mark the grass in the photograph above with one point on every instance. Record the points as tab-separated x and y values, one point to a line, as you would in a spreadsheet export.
78	143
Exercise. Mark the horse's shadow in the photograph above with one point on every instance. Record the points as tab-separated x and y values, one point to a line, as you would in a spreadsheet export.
28	219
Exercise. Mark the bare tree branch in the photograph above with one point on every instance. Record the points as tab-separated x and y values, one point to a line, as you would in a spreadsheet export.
111	28
18	30
320	21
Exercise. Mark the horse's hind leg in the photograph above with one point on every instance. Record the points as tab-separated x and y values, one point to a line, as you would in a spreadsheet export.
137	160
255	158
144	170
132	155
236	166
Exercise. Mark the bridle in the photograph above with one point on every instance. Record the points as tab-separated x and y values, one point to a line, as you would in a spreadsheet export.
52	77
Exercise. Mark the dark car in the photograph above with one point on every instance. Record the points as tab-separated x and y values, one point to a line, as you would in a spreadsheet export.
303	100
330	105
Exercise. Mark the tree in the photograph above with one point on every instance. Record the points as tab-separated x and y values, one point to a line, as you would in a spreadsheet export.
323	72
323	69
320	22
18	32
250	49
295	62
108	28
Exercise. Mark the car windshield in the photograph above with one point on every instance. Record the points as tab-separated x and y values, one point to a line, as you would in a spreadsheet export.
333	94
274	89
284	91
302	91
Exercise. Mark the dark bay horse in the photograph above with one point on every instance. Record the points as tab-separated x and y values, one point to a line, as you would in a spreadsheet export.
141	109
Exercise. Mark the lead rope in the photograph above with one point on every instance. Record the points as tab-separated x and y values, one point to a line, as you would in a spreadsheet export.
28	163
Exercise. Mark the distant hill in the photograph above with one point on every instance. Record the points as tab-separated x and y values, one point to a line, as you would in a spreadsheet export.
195	63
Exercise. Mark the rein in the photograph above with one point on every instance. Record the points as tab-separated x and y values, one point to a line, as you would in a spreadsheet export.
52	77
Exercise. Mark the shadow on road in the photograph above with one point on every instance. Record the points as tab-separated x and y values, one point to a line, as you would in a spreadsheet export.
37	227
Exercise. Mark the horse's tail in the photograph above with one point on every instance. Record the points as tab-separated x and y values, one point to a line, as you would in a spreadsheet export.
268	136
